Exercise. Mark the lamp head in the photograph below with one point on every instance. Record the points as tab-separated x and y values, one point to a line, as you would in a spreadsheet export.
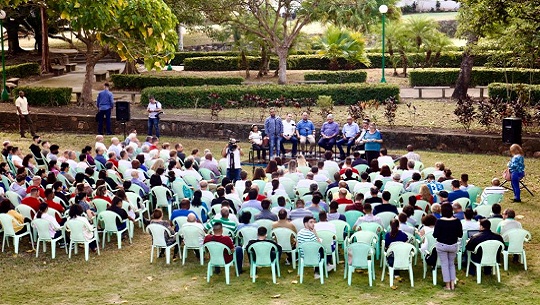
383	9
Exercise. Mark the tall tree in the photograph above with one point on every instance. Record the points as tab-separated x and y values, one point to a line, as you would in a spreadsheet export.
125	27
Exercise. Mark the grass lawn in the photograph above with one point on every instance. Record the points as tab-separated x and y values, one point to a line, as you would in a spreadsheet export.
434	15
126	276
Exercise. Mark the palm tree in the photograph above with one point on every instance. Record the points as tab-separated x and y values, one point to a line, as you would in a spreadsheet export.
398	40
422	28
341	43
438	42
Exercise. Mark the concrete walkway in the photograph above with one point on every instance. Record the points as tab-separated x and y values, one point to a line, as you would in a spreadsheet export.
75	80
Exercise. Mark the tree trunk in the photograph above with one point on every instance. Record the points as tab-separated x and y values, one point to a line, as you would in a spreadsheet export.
12	29
91	61
428	58
130	68
263	68
282	54
181	31
465	72
45	62
404	62
245	63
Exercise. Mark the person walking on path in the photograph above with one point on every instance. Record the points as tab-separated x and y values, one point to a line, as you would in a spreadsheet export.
154	108
105	104
24	114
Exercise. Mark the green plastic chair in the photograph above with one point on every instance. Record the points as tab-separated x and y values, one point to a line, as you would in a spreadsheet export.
254	212
361	257
483	210
327	240
100	204
301	191
490	249
423	205
418	214
386	217
330	192
495	223
139	205
158	241
6	221
431	241
76	229
304	170
351	217
267	223
373	176
208	175
244	235
109	221
178	221
395	191
289	185
26	211
515	239
378	230
260	256
403	255
293	176
322	186
366	237
191	181
261	184
464	202
343	230
217	259
159	198
351	184
426	171
193	238
361	168
474	192
64	181
44	236
447	185
419	166
284	237
309	257
491	199
13	197
298	224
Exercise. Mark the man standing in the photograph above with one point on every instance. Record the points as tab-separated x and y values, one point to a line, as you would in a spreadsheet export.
232	153
289	134
329	132
23	111
305	131
105	104
154	108
350	130
274	130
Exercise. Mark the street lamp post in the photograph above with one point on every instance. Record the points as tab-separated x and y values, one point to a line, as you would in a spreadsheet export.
383	9
5	94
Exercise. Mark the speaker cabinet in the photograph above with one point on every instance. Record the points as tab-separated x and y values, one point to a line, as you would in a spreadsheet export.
123	113
511	131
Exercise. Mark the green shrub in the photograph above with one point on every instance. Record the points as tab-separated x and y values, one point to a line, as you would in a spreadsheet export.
45	96
338	77
185	97
223	63
179	57
22	70
479	77
509	92
141	81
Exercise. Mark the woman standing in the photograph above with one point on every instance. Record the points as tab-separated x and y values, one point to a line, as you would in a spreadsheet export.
372	140
516	166
447	231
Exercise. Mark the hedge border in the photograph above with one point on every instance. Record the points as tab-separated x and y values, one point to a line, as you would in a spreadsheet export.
479	76
338	77
510	91
22	70
46	96
141	81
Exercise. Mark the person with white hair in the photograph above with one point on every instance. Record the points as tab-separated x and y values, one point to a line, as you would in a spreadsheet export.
99	143
329	132
133	141
115	147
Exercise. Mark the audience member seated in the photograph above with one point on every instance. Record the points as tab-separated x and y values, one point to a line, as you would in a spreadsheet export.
385	206
217	236
266	213
485	234
468	223
300	211
368	217
358	204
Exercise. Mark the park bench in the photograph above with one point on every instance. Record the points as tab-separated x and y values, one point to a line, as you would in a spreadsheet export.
307	82
57	70
100	76
482	88
257	83
113	71
442	88
122	94
10	87
13	80
70	67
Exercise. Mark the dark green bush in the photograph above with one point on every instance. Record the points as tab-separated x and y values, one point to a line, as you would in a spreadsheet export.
141	81
45	96
179	57
338	77
480	76
223	63
509	92
185	97
22	70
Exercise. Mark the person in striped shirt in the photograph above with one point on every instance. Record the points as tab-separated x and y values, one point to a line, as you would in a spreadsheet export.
306	234
224	220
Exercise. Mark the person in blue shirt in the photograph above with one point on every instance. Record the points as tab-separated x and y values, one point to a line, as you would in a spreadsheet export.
105	104
516	166
183	211
456	192
329	132
372	141
274	130
349	130
305	131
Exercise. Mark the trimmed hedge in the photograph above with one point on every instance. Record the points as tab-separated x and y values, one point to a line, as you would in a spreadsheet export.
338	77
45	96
22	70
141	81
479	77
510	91
316	62
179	57
184	97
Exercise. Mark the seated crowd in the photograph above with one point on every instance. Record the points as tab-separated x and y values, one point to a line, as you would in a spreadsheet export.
308	200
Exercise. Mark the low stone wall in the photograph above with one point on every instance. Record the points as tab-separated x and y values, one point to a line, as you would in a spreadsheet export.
448	142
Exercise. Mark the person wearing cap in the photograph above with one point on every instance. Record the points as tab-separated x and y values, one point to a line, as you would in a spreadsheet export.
442	197
329	132
372	141
305	132
289	135
273	127
350	131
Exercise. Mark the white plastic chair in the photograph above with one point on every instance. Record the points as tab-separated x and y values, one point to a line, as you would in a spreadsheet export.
109	220
515	239
76	229
7	224
193	238
403	256
44	236
490	249
362	257
158	241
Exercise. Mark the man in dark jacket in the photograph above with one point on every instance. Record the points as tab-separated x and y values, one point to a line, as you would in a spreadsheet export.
485	234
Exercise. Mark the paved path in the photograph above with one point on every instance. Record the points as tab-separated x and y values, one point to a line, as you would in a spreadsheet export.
75	80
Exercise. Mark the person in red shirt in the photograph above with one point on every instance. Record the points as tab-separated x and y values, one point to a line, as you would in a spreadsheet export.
36	183
342	197
112	159
357	205
49	194
33	200
227	241
346	165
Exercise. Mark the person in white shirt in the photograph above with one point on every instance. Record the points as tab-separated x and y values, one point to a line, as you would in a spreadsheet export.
83	164
306	182
410	170
468	223
349	130
16	157
396	181
464	183
289	135
495	188
189	170
54	228
71	159
319	177
154	109
411	155
203	186
329	165
23	112
323	224
99	143
124	163
115	147
384	159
